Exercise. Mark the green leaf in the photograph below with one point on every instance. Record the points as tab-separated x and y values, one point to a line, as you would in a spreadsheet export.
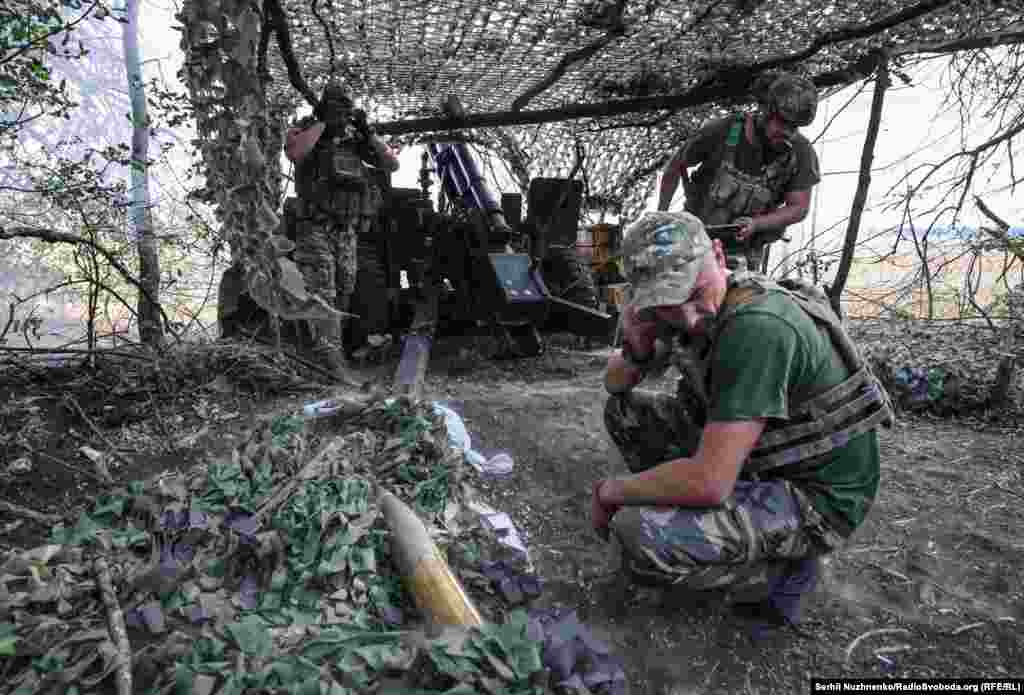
183	679
213	667
311	546
84	532
310	686
335	560
252	635
377	655
456	667
270	601
525	659
363	560
319	651
127	537
110	505
7	646
217	568
210	649
283	671
336	689
172	602
49	663
136	487
461	689
234	685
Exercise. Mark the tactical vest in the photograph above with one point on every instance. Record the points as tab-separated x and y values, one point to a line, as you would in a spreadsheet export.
334	166
819	422
734	193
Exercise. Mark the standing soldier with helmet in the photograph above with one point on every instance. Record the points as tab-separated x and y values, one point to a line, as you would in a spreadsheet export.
336	201
756	171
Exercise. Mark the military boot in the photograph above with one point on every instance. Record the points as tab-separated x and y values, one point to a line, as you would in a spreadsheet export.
785	602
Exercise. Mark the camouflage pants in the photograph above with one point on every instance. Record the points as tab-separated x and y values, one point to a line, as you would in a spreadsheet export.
325	251
741	545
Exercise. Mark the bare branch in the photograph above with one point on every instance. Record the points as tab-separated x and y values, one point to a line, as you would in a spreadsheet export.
54	237
839	112
1003	232
860	198
999	38
569	59
275	17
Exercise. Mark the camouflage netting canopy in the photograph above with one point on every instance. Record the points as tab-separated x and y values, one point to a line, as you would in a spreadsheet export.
613	83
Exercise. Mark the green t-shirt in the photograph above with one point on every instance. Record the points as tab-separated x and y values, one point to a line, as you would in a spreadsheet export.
769	349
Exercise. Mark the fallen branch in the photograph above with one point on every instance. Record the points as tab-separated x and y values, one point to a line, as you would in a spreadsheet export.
113	450
982	623
65	464
115	620
73	351
305	362
872	633
30	514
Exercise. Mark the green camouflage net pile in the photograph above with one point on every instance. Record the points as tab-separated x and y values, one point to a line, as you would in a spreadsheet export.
267	571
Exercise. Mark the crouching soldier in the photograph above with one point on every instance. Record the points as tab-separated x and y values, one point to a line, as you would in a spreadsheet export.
744	482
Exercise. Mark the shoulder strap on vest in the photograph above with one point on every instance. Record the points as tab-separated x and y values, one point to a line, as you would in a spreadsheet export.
732	139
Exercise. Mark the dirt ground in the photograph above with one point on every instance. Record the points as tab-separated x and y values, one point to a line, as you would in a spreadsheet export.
931	586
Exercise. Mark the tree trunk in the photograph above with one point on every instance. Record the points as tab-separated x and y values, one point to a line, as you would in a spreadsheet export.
860	198
141	220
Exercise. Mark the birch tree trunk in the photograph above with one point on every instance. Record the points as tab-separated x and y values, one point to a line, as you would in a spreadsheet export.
140	217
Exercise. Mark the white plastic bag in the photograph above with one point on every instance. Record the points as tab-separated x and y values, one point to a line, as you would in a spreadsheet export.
458	436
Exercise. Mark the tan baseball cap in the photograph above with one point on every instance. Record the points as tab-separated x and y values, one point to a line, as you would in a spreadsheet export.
663	252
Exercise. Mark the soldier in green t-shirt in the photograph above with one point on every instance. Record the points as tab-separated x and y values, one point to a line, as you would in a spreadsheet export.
745	478
755	170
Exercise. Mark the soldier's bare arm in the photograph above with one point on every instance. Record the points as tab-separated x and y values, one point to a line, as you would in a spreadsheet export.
706	480
673	172
299	142
771	225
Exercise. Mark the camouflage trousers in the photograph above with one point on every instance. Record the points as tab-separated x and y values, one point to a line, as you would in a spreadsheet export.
325	252
741	546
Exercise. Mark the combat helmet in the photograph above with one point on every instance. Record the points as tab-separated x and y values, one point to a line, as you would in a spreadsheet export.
336	93
794	98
